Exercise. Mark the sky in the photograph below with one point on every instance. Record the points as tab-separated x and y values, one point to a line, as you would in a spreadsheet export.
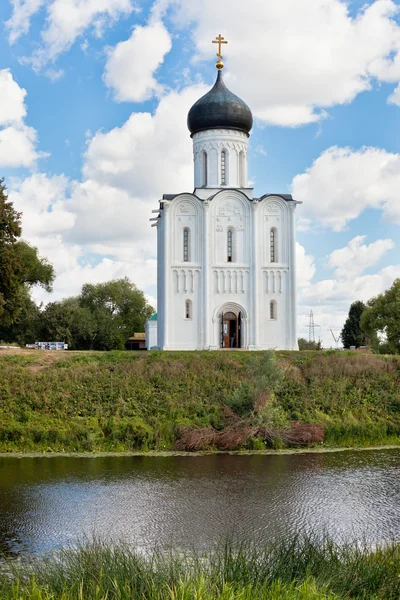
94	96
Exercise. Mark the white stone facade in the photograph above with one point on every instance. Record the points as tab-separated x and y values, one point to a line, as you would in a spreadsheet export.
207	153
226	260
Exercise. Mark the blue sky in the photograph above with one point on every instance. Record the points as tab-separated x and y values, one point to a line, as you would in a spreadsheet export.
93	102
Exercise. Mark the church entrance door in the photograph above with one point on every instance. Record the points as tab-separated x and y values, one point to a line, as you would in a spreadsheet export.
230	330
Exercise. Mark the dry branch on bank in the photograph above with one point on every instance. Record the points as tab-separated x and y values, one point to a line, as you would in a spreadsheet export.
237	435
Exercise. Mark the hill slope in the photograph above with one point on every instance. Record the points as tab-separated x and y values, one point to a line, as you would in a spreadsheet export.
121	401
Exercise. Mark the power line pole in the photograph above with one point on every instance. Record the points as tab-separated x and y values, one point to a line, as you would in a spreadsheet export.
334	337
311	328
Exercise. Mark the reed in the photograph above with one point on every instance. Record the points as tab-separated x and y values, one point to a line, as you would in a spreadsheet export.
291	569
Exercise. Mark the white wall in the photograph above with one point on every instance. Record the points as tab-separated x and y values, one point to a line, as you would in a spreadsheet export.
212	142
214	285
151	334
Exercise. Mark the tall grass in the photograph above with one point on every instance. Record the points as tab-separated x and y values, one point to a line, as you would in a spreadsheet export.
295	569
122	401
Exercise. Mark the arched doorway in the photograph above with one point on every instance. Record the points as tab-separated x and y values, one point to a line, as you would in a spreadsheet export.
231	330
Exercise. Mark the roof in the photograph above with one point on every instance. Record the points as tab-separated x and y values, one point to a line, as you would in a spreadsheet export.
287	197
138	336
153	317
219	109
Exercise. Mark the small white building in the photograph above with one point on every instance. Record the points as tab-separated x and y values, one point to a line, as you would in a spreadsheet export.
226	260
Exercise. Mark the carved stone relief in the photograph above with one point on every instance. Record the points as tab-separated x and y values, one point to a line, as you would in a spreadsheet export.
229	209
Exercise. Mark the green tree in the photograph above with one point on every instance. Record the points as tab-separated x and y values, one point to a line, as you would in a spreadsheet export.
20	265
25	329
381	320
67	321
352	333
119	309
308	345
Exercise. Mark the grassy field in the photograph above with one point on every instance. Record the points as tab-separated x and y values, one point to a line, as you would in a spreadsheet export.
290	570
139	401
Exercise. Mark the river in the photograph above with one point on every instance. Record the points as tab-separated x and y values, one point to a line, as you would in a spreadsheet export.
191	501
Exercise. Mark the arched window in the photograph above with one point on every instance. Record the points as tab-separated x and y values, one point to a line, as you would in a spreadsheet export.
273	312
230	244
186	241
188	309
223	168
273	245
205	169
241	169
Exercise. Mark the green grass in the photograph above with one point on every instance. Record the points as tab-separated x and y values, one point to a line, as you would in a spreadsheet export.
127	401
289	570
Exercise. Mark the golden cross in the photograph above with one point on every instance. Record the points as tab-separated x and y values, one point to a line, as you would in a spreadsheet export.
219	40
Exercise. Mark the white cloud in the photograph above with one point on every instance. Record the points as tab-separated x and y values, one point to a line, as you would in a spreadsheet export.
131	64
99	228
17	147
342	183
68	19
356	257
394	98
20	20
140	156
305	56
305	267
41	200
12	99
330	299
17	140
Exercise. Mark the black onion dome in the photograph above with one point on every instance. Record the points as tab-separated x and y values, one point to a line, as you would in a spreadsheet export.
219	109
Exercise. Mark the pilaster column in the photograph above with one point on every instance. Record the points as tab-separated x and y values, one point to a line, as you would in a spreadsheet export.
254	319
166	260
292	278
205	278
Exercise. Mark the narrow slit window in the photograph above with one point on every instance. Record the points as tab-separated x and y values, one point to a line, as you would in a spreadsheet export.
223	167
273	310
229	245
273	245
186	245
205	169
188	309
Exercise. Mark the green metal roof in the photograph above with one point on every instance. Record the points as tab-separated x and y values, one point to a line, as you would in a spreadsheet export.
153	317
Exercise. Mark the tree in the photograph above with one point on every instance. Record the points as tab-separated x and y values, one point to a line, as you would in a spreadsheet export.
103	317
352	333
381	319
69	322
119	309
20	265
26	326
307	345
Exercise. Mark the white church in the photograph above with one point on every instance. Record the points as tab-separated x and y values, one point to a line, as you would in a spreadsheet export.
226	272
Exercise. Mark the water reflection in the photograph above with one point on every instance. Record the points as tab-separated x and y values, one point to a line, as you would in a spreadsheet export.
47	502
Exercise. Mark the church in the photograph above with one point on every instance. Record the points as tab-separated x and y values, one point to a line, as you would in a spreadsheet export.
226	271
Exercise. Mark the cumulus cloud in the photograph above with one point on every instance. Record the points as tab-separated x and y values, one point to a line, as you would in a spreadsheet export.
305	267
20	20
305	56
356	257
66	20
330	299
131	64
17	140
99	229
12	99
342	183
41	199
140	156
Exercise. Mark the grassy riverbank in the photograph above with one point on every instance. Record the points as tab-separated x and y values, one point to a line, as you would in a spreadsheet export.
289	570
127	401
